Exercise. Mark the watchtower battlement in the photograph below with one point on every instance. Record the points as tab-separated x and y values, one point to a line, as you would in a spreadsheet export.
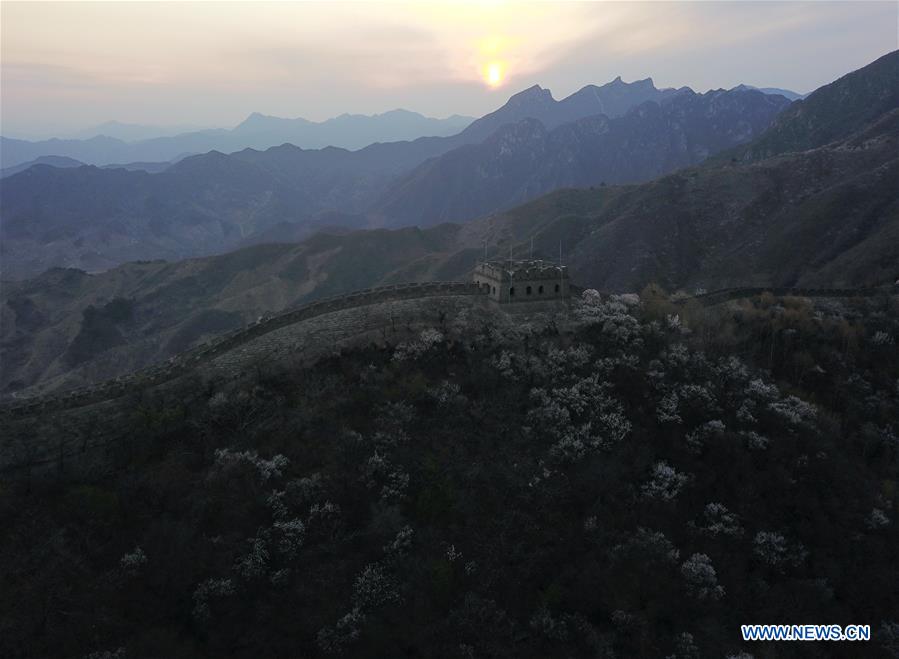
512	281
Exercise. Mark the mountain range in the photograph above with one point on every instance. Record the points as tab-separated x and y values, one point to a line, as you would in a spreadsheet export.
822	212
256	131
94	218
524	160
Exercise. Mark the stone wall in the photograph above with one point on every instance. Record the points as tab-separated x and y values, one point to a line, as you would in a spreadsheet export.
725	294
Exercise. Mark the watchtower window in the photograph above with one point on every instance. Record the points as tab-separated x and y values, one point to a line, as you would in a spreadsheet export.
512	292
493	289
557	288
540	290
528	290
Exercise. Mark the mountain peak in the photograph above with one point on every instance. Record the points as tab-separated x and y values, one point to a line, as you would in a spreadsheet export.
531	94
646	83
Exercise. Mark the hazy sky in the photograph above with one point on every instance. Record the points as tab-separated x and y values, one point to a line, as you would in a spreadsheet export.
75	64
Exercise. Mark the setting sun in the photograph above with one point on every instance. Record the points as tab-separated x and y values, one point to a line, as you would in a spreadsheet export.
494	73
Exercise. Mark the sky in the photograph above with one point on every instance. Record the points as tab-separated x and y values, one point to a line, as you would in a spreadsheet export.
65	66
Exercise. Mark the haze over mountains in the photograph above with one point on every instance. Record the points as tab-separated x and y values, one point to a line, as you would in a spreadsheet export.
526	159
120	143
95	219
811	202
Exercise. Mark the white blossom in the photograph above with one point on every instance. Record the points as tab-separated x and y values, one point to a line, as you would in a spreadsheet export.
334	640
291	534
697	439
666	482
426	341
701	578
133	561
207	590
648	543
758	390
795	411
266	468
755	441
326	511
401	543
445	393
685	647
452	555
877	519
774	550
374	587
718	520
881	339
667	409
255	562
118	653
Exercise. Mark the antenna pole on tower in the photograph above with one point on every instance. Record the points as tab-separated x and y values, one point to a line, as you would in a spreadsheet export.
561	279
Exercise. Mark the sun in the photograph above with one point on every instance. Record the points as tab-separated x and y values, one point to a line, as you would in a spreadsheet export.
494	73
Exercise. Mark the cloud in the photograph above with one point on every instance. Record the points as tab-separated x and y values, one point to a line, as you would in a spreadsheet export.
214	62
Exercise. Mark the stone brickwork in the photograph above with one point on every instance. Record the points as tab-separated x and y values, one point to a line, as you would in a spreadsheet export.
514	281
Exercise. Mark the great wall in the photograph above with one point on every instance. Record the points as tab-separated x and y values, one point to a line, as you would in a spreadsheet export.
303	334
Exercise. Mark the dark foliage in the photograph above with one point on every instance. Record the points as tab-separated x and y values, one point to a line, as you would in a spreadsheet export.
526	492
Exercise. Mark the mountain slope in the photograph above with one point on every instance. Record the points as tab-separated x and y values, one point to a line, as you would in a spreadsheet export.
521	161
832	111
824	217
64	327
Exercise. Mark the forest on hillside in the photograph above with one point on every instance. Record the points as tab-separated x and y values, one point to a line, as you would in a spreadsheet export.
639	480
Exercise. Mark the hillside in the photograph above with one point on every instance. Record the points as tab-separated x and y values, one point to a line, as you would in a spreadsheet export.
67	328
825	217
832	112
624	483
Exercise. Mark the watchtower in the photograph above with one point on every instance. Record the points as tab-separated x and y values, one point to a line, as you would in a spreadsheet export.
511	282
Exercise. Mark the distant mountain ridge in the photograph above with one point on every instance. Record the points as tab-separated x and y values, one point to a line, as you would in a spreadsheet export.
349	131
786	93
524	160
612	99
51	161
213	202
130	132
257	131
